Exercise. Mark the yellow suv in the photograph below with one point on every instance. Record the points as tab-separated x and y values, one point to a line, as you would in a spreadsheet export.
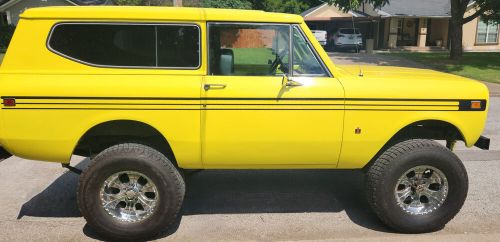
149	92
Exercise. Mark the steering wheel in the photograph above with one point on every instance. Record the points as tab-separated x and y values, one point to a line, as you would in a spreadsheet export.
278	63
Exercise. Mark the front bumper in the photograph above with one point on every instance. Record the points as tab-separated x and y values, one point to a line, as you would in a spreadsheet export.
348	46
483	143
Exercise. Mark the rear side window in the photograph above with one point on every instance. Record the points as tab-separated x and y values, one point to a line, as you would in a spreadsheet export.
128	45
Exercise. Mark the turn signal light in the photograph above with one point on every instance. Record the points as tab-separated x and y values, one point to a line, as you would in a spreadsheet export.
475	105
9	102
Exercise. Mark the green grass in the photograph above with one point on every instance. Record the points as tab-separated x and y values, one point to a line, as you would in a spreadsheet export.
484	66
252	60
249	56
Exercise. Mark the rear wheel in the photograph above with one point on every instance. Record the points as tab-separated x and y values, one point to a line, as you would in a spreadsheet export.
130	192
416	186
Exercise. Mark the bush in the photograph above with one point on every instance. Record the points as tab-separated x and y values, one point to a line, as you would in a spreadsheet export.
234	4
6	33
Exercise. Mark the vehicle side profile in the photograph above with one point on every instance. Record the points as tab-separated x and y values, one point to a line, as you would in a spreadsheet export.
150	92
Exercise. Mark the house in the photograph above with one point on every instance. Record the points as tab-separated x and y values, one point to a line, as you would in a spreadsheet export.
11	9
331	18
406	24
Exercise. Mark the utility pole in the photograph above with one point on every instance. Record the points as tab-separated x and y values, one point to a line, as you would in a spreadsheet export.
177	3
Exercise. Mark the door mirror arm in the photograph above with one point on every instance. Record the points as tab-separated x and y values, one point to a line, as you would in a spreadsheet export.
289	82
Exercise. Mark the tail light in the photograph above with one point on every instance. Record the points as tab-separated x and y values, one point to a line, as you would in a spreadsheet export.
9	102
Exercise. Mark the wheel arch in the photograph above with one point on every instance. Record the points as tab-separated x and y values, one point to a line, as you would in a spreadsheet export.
104	134
436	129
430	129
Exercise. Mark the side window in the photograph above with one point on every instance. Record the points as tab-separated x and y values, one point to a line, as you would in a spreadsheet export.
249	49
178	46
100	44
128	45
305	62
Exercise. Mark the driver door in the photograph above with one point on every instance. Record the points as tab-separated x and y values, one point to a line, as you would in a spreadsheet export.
251	118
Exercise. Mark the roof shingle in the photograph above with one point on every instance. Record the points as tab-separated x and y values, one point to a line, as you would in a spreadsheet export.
423	8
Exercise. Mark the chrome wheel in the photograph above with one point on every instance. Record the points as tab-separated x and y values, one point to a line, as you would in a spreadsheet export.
129	196
421	190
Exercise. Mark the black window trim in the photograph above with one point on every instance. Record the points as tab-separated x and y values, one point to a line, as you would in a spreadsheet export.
291	27
129	23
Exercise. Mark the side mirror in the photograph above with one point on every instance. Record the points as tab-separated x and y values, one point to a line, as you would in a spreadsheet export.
289	82
284	81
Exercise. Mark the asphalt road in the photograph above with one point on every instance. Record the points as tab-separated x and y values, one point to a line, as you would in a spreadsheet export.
38	202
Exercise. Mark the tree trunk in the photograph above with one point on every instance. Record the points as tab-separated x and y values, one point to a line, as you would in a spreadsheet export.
458	8
177	3
456	35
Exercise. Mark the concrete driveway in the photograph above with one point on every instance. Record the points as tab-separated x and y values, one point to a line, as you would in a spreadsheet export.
347	58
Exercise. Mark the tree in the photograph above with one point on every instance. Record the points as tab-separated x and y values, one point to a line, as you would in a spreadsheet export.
489	10
128	2
140	2
177	3
235	4
347	5
285	6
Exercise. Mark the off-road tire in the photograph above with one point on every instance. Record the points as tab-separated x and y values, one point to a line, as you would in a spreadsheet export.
383	173
138	158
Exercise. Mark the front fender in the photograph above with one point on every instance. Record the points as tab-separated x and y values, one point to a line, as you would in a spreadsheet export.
378	127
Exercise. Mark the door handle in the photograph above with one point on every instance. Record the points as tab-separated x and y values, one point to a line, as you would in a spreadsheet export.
214	86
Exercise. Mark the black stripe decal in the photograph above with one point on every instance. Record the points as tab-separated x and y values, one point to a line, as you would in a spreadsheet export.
224	109
239	98
463	104
244	104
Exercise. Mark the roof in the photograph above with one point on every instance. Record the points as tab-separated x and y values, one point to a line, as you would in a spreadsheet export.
311	10
395	8
5	4
326	12
420	8
157	13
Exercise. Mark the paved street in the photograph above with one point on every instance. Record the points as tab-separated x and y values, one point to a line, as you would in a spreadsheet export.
38	203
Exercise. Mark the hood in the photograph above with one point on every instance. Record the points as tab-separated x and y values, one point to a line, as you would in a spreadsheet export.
400	82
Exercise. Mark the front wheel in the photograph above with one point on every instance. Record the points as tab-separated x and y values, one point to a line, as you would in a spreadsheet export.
416	186
130	192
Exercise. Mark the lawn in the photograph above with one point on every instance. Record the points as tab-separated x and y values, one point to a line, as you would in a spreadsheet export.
484	66
252	60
